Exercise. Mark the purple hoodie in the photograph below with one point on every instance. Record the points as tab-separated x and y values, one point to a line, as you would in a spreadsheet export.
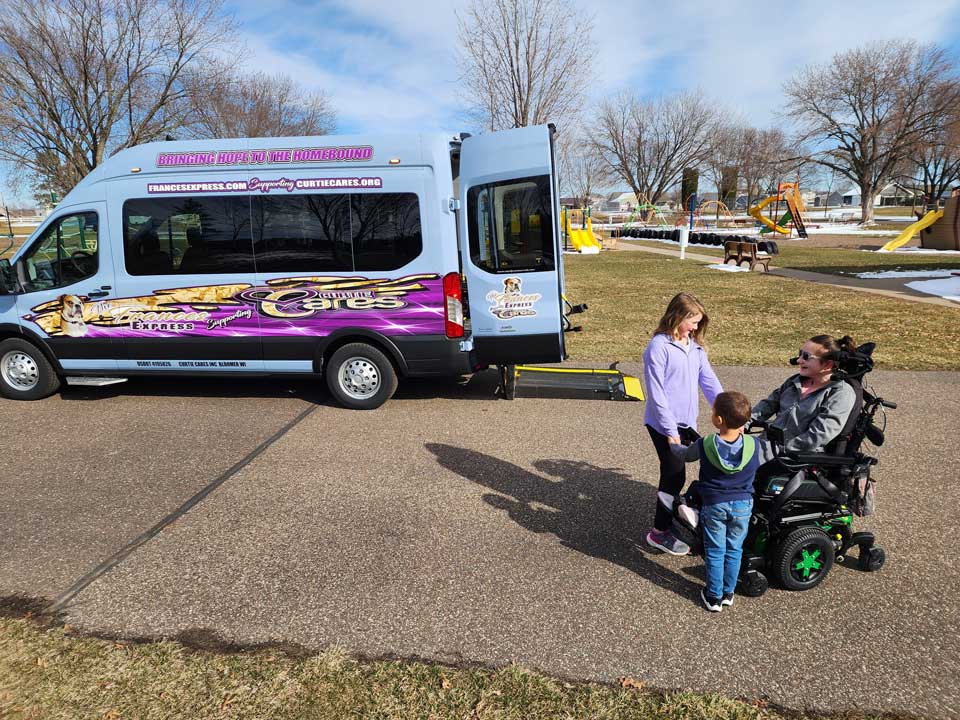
672	374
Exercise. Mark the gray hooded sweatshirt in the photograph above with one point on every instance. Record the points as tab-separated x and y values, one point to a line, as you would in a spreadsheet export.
807	424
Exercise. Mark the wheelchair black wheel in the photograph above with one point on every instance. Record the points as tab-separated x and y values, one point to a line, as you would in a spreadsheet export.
871	559
804	558
753	583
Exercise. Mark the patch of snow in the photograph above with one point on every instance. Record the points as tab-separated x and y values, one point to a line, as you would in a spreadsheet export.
729	268
924	251
946	272
948	288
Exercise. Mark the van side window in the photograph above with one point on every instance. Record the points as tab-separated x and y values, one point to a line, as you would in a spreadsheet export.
182	236
511	225
386	230
66	253
302	233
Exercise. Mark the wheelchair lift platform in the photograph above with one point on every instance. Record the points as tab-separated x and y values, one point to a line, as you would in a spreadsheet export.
529	381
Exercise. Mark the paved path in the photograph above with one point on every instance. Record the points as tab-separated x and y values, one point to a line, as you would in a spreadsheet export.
454	526
888	287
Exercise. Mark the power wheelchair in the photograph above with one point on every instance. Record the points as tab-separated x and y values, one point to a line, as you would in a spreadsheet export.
804	502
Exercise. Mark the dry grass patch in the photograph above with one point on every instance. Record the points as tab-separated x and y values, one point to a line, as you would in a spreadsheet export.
50	675
756	319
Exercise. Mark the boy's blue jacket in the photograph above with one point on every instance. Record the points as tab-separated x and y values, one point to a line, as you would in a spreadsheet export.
719	481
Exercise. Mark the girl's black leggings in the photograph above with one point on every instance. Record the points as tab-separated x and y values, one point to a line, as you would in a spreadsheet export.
673	477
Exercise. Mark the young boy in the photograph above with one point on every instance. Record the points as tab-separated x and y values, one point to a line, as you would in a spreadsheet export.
728	463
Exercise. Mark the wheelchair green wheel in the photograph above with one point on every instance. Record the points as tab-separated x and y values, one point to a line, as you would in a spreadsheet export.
804	558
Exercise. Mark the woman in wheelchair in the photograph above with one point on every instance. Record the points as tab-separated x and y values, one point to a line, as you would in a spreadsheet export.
812	407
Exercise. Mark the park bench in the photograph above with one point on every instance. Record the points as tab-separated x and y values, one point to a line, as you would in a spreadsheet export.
743	252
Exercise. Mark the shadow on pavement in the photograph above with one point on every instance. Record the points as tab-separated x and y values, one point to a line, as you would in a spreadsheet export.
481	386
594	510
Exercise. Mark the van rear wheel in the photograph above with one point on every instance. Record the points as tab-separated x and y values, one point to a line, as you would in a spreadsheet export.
361	377
25	372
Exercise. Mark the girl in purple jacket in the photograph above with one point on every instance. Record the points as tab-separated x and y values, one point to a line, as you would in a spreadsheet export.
674	366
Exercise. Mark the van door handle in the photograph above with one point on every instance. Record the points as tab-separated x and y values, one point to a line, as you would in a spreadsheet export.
102	292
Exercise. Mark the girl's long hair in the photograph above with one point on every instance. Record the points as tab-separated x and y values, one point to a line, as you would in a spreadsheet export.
682	306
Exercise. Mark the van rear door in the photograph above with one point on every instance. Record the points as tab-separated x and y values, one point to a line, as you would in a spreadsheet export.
510	246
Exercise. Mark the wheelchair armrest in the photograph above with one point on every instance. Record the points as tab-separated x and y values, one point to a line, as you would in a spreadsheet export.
823	459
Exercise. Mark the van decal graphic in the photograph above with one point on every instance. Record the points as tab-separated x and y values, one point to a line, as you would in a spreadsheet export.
512	303
211	158
296	306
262	185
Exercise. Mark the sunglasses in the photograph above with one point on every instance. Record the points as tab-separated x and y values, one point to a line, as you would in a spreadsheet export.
804	355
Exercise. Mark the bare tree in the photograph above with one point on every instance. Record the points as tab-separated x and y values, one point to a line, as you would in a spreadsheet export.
581	170
647	144
723	164
523	61
225	103
936	160
81	79
870	107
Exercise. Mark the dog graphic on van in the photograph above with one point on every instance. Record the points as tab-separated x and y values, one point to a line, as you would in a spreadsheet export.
71	316
512	303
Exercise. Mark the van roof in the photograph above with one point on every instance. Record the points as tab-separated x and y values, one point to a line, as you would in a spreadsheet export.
330	152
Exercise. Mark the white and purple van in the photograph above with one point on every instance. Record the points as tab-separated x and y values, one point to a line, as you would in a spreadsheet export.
363	259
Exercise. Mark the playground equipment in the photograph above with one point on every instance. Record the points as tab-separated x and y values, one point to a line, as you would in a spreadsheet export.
718	210
643	214
583	241
938	229
907	235
789	192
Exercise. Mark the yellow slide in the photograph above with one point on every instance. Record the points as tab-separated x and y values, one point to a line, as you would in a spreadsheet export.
755	213
583	241
903	238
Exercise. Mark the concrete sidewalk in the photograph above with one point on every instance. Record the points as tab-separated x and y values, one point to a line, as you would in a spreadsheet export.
887	287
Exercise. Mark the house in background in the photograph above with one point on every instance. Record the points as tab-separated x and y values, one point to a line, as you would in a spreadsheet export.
891	194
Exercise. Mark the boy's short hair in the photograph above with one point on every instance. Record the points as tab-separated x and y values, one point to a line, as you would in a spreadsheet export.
733	407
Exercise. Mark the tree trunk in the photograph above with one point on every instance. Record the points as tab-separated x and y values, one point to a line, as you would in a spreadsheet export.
866	204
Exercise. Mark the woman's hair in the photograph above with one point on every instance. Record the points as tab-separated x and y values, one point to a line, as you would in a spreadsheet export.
682	306
833	346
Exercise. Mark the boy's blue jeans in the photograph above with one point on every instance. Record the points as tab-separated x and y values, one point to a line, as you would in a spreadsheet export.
724	529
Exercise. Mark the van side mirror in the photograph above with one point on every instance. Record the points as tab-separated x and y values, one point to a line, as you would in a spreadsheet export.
8	278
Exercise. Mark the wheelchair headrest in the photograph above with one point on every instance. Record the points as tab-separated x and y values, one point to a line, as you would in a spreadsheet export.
853	364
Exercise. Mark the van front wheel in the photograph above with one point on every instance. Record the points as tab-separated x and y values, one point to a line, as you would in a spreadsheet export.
361	377
25	372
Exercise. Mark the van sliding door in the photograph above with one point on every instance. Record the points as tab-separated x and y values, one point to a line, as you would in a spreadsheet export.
510	246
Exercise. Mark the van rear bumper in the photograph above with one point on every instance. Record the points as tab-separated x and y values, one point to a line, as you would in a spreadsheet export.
433	356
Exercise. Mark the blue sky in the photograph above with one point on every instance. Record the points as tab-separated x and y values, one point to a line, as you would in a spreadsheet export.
391	65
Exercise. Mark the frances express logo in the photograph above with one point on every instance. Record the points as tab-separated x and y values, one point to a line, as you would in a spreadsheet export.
305	297
512	303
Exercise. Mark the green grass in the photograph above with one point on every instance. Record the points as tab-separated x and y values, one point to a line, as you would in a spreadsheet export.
755	318
46	674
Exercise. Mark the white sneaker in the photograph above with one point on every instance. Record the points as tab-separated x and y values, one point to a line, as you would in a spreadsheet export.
711	604
667	542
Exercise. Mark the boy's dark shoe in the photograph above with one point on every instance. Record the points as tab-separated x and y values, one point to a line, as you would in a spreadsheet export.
664	540
727	599
710	603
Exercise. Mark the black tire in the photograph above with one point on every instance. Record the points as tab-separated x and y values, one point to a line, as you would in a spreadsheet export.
871	559
360	376
753	583
804	558
25	372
